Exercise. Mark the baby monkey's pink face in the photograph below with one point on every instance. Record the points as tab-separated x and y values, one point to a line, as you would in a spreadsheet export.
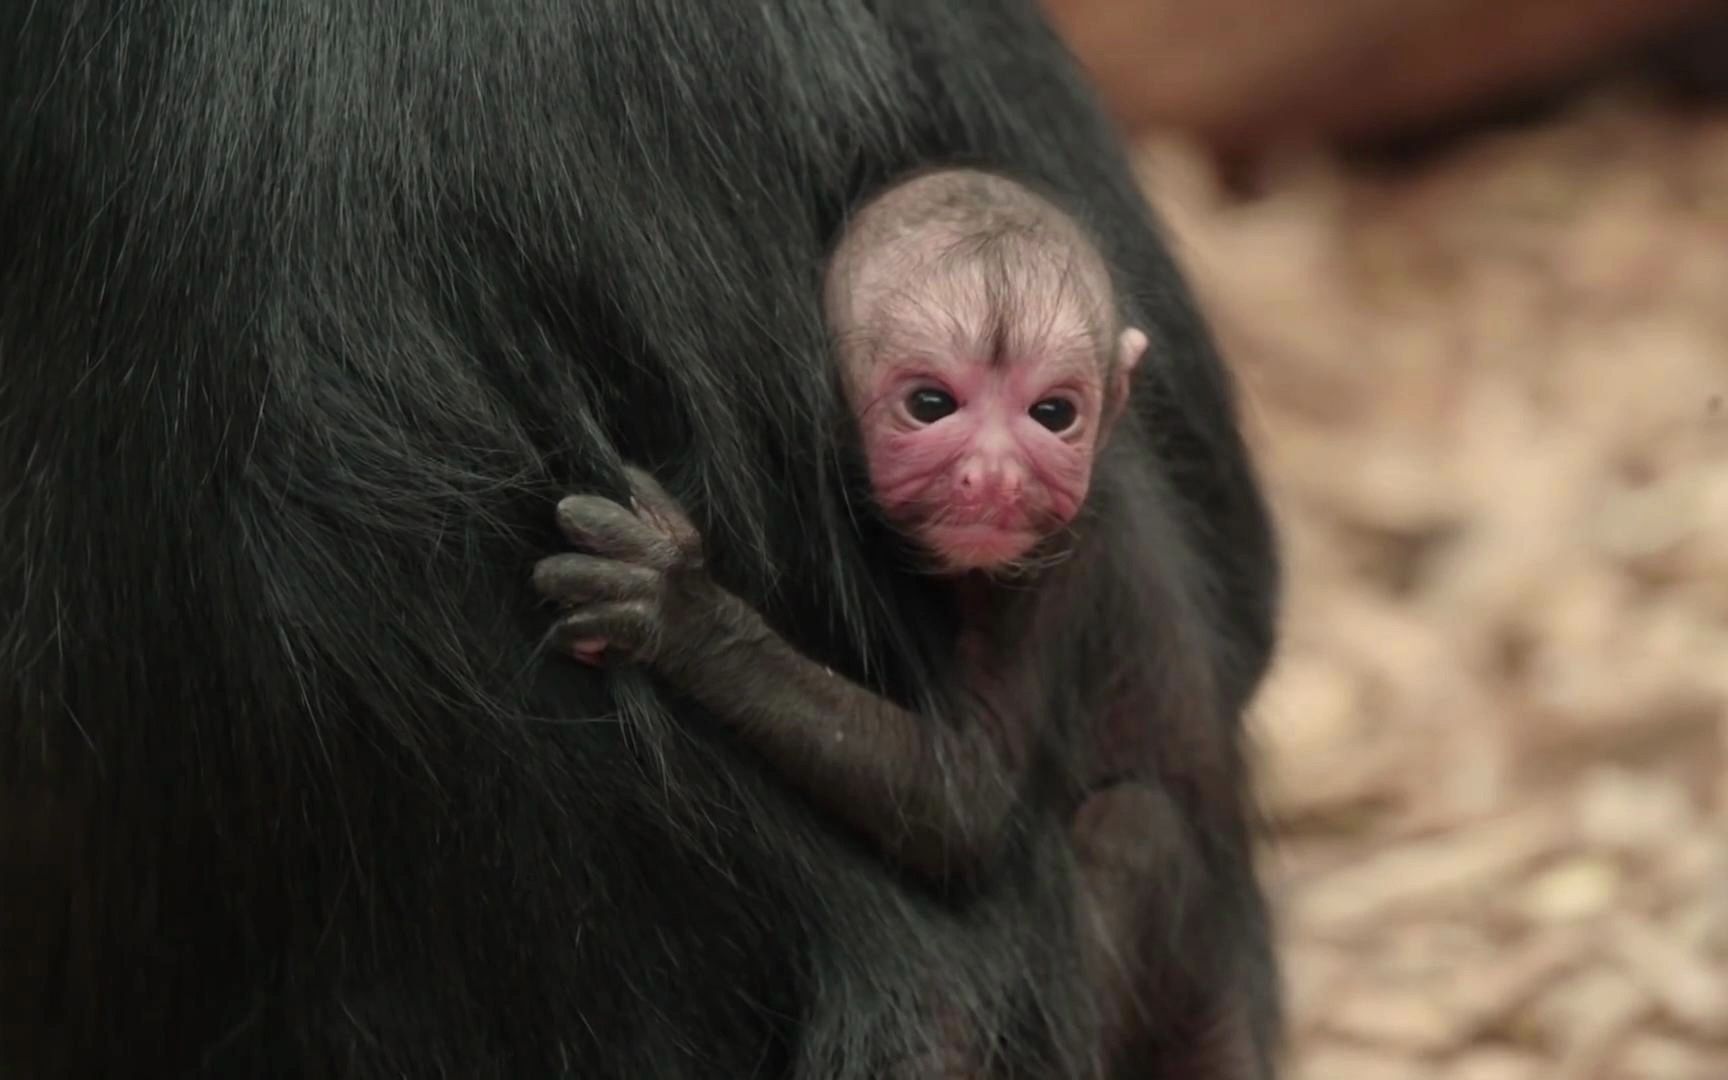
981	455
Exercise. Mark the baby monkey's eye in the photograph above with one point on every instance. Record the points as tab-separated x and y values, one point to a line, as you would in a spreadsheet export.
928	406
1057	414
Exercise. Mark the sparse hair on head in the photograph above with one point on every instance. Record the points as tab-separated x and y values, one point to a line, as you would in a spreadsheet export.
1031	259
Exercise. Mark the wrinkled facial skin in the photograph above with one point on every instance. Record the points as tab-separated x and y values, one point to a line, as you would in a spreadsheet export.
981	458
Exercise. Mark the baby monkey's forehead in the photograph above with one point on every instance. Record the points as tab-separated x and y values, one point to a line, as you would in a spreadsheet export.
964	265
963	309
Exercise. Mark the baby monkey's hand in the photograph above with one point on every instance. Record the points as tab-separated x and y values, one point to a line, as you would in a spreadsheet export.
641	591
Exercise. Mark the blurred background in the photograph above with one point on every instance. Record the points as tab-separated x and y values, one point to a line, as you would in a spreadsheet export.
1470	261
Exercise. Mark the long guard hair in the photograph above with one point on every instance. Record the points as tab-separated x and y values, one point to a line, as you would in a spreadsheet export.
309	311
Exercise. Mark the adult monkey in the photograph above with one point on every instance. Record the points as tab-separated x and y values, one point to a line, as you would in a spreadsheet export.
308	312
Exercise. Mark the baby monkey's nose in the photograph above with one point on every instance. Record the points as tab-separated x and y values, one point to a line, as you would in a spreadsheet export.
991	480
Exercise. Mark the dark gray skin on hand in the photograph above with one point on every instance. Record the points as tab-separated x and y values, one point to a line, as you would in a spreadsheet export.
931	796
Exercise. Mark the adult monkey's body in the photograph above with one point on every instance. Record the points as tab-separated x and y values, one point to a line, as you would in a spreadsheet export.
307	312
985	360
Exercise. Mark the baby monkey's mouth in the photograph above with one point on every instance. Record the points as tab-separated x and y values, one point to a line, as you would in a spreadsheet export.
961	542
979	545
1006	517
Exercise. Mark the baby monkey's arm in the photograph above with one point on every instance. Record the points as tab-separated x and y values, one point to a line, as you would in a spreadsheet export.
934	796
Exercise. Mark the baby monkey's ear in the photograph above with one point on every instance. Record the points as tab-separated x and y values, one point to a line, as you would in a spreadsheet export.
1130	347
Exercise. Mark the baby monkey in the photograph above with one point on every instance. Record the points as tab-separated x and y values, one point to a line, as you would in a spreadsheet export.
985	358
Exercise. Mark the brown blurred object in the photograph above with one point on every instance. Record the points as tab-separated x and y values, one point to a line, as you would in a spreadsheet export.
1242	75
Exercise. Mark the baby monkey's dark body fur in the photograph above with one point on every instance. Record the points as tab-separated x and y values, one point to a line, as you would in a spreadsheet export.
937	794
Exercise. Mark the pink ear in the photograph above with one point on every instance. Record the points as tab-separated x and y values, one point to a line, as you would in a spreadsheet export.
1130	347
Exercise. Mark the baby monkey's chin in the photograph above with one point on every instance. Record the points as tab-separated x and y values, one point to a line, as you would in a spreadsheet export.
960	549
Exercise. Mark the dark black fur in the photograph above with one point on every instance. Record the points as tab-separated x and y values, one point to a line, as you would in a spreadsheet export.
308	313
